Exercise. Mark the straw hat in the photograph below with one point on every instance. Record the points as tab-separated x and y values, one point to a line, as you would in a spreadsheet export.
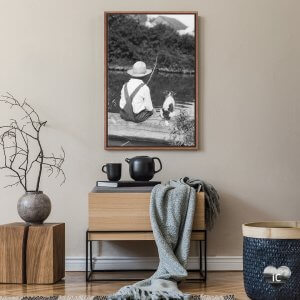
139	70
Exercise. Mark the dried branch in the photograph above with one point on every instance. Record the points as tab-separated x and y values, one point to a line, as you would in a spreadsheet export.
54	163
29	111
18	141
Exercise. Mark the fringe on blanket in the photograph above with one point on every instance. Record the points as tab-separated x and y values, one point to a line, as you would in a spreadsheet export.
134	292
212	199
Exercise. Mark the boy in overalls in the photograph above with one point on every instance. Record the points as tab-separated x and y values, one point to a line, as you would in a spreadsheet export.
135	103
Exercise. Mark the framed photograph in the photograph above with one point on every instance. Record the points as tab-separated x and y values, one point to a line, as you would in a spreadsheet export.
151	80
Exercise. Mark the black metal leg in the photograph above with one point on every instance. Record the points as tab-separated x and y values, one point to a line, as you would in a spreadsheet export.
205	256
200	259
91	257
89	261
86	256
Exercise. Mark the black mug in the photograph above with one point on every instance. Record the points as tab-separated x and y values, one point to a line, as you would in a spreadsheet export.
113	171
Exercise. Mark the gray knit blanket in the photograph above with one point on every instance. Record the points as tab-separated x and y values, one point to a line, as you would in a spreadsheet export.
212	199
172	208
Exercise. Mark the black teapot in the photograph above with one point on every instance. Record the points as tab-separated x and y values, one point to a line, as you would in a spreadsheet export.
142	168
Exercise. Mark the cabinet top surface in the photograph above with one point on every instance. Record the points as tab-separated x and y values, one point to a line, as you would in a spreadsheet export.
20	224
140	189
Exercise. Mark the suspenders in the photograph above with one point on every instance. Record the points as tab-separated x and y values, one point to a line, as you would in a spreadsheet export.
128	106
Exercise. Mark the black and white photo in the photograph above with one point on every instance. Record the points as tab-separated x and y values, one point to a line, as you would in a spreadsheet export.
151	84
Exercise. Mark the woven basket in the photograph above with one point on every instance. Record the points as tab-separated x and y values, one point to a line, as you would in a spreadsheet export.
271	258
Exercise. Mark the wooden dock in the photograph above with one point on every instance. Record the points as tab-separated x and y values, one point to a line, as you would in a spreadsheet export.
153	129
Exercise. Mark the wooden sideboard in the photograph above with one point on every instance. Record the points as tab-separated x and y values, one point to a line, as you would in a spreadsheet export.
125	216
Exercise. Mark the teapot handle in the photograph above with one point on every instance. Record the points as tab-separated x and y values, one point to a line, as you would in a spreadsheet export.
160	167
127	160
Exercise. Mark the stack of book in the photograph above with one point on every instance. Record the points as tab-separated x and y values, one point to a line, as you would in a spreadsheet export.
116	184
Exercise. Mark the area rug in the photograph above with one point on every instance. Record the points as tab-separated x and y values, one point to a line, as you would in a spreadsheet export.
194	297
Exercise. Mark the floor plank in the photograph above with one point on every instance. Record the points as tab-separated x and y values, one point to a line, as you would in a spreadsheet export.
218	283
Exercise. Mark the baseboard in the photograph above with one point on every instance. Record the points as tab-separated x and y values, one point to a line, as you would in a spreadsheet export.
214	263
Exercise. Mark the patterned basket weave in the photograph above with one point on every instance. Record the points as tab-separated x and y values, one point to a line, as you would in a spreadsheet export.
259	253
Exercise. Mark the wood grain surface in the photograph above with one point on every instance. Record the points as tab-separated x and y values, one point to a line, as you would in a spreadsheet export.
218	283
134	236
12	256
130	212
45	253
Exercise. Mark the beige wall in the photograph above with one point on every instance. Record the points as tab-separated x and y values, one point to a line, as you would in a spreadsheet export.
51	51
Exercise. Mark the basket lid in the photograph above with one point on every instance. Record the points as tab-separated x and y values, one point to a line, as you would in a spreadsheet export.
273	230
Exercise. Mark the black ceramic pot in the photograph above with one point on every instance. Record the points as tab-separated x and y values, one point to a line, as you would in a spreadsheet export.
142	168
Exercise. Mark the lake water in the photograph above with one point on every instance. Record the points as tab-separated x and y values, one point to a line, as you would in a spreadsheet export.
182	85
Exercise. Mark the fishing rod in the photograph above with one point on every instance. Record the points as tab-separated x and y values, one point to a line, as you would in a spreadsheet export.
153	70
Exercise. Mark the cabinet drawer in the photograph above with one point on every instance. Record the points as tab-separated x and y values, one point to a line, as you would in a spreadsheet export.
129	212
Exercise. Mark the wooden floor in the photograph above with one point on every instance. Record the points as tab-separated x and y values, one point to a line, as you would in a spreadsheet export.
218	283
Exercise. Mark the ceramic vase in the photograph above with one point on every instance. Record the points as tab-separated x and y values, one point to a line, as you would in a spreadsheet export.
34	207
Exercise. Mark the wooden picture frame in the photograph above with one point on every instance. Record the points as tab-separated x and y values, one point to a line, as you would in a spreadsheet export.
166	128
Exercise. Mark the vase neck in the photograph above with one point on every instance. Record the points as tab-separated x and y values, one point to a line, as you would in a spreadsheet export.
34	192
